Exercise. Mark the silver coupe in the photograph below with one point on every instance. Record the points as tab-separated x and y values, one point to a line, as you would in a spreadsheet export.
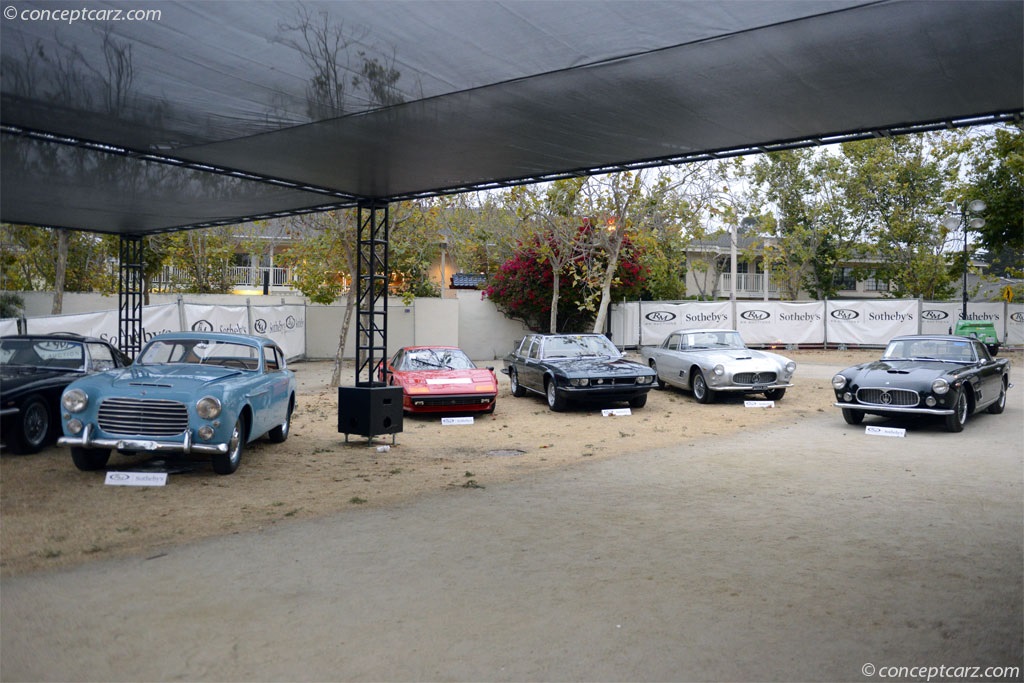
707	362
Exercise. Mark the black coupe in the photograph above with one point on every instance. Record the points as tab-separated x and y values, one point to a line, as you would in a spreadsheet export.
34	370
949	376
576	367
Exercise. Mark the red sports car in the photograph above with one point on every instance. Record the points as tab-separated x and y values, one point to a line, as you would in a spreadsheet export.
440	379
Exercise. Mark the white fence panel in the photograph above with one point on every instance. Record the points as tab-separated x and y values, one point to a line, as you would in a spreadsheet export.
8	326
871	322
770	323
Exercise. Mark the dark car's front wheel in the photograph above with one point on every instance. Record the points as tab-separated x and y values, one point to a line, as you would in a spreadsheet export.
1000	404
89	459
556	401
227	463
34	427
955	422
638	401
661	382
853	417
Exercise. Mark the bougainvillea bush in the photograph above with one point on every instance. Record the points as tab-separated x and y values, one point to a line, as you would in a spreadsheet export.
523	285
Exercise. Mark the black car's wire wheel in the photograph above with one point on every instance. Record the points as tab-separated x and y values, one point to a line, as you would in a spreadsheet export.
34	427
955	422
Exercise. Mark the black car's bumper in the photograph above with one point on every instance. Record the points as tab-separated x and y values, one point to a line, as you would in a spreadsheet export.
885	410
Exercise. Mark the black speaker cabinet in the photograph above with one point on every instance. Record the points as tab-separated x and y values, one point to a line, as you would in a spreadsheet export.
370	410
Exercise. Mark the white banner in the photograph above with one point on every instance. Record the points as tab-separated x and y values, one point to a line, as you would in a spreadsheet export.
773	323
657	320
871	323
102	324
215	318
1014	324
941	318
8	326
286	325
160	319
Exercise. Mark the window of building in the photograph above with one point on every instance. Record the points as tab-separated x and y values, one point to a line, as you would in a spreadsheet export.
845	280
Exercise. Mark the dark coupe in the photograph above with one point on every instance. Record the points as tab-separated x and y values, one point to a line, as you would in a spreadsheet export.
948	376
576	367
34	369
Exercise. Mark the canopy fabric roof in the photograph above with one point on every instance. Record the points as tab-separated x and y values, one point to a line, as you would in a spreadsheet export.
204	113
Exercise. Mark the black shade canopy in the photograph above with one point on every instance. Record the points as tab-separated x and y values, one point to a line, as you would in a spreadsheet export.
201	113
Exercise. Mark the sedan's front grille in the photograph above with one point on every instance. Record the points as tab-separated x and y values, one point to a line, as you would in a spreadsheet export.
888	397
143	417
754	378
612	381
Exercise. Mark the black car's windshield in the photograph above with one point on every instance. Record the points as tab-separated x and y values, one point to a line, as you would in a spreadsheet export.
435	359
201	351
47	354
579	345
937	350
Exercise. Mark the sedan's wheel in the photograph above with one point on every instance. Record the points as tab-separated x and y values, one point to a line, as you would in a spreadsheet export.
89	459
661	382
513	379
280	433
1000	405
700	389
227	463
556	401
638	401
853	417
955	422
33	429
775	394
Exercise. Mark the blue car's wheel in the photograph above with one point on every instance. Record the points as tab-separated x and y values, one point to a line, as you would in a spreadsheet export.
89	459
279	433
227	463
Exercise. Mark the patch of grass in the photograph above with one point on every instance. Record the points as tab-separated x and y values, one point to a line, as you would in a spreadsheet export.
469	474
51	553
356	500
397	470
471	484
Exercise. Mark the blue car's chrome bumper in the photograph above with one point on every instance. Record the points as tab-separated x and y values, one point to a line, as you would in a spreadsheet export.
85	440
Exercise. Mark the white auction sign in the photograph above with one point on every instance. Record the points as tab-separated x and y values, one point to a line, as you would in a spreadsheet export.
942	317
1014	324
102	324
776	323
136	479
285	324
216	318
869	322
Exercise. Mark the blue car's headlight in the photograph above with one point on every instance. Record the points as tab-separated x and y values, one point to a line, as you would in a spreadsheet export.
208	407
74	400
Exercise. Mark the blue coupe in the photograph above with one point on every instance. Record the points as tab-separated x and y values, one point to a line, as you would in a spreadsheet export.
187	393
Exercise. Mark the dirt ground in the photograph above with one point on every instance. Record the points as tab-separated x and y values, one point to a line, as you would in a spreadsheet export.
55	516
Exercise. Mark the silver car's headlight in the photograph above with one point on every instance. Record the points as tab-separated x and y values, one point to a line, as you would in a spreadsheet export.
74	400
208	407
838	382
940	386
790	367
719	370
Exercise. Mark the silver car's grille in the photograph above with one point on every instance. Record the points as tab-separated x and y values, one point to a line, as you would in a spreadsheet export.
754	378
143	417
888	397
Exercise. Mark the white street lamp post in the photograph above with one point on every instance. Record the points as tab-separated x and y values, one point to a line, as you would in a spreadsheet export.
967	219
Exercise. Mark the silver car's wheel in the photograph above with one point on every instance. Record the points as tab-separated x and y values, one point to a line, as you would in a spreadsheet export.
227	463
700	389
955	422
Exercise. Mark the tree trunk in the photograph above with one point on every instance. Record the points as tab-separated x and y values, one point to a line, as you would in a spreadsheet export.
60	272
606	295
346	323
553	324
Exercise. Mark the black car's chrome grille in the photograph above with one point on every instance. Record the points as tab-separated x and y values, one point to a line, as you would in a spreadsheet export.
754	378
143	417
888	397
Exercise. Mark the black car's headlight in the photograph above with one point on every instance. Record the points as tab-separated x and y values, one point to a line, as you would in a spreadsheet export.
940	386
74	400
644	379
579	382
838	382
208	407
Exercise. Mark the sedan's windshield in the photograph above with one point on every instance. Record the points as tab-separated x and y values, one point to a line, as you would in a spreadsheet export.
942	350
51	354
722	339
577	345
201	351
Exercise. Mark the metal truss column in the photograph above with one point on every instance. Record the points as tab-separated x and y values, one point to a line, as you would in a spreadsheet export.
371	289
129	294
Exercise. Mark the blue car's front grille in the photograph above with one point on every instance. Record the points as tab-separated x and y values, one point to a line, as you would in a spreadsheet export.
142	417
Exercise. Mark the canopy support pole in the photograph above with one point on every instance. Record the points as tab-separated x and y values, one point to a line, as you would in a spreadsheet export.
129	294
371	289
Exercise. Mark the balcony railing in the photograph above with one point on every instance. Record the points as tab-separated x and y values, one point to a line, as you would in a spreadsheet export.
748	285
173	279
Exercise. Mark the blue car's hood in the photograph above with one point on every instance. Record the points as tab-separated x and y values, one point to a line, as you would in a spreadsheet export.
189	377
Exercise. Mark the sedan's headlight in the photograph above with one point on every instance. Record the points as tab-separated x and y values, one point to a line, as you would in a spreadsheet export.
838	382
579	382
74	400
644	379
208	407
940	386
790	367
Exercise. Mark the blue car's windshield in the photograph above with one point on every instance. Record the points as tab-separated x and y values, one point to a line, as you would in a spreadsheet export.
200	351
